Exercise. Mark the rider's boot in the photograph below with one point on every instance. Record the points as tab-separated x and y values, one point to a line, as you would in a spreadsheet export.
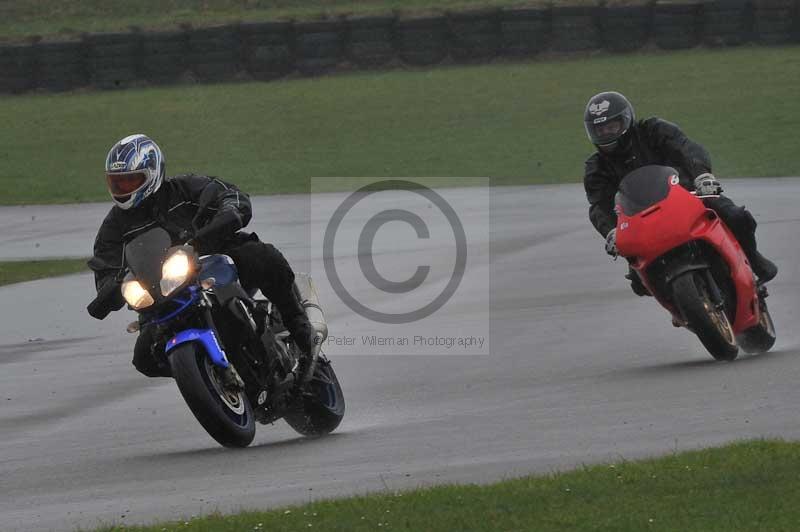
302	332
303	335
764	269
636	284
743	225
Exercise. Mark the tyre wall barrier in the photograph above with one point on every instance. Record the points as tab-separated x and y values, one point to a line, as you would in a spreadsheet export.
576	29
266	49
371	41
626	28
774	21
214	53
728	22
164	56
422	41
525	32
272	50
677	26
114	59
319	46
474	36
17	68
62	65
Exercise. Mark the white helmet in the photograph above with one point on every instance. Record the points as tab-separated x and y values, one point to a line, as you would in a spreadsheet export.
134	170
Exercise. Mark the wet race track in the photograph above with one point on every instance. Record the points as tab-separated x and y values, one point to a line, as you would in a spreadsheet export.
578	368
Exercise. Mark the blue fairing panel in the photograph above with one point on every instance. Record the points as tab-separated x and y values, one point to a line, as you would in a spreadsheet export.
220	267
208	340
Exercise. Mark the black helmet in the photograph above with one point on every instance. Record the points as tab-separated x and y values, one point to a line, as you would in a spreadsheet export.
608	117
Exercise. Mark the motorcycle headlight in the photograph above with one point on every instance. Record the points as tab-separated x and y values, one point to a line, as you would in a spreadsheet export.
136	296
175	272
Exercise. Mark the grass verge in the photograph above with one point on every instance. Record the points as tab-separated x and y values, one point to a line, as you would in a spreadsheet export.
20	271
743	486
518	123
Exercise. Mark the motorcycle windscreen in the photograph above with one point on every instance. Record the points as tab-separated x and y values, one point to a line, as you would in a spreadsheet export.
145	256
644	187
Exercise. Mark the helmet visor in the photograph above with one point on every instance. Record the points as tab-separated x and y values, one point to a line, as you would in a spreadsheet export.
126	183
604	131
608	131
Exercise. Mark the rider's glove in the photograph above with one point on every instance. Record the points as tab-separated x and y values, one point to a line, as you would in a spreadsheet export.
611	243
707	185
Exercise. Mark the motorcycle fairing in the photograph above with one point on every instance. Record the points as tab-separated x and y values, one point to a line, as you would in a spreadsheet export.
226	277
676	220
220	267
182	304
207	338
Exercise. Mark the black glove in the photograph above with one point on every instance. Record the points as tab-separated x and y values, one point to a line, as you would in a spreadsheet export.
109	298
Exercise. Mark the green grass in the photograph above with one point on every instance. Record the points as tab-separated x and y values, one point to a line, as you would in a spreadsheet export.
517	123
17	272
745	486
20	18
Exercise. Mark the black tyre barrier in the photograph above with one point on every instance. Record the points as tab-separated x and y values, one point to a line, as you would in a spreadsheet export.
271	50
267	49
774	21
164	56
677	26
17	68
422	41
214	53
525	31
576	29
62	65
474	36
114	59
370	41
320	46
727	22
625	28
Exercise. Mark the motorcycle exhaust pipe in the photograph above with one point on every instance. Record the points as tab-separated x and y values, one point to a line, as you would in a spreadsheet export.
309	300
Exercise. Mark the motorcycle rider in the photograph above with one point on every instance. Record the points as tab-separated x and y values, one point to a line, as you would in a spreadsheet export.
623	145
206	210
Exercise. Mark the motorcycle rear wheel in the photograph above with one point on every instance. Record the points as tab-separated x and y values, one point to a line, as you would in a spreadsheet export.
227	416
321	408
710	324
760	338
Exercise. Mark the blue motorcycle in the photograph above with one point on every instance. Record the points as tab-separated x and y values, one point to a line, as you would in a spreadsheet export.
231	357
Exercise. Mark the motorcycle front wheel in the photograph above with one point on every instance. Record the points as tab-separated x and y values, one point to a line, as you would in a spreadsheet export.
709	322
225	414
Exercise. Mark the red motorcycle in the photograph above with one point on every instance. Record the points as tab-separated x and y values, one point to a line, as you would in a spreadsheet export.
691	263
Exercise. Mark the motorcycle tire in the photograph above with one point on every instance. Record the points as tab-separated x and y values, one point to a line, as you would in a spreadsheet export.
711	325
760	338
226	416
321	407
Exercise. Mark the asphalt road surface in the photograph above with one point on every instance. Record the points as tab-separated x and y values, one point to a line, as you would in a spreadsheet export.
577	369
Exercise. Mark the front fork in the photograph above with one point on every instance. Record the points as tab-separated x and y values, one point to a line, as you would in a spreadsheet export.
209	338
713	290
